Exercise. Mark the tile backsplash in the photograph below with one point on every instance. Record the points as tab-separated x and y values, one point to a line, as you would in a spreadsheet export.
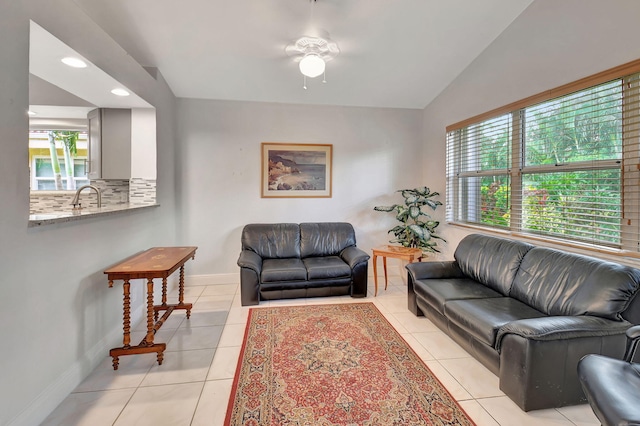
142	191
114	192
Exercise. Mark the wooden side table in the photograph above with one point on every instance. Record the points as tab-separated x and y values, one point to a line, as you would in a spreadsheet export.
157	262
397	252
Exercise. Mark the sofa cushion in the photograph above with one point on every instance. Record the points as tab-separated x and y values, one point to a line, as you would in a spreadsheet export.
482	318
272	240
325	239
274	270
437	292
559	283
319	268
491	261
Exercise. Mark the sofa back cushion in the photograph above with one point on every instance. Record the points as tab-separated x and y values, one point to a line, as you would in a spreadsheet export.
272	240
325	238
491	261
559	283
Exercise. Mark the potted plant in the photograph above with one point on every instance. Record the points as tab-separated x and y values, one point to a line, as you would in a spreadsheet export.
417	229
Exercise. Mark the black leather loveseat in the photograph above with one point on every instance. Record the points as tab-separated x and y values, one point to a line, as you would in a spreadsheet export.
287	260
528	313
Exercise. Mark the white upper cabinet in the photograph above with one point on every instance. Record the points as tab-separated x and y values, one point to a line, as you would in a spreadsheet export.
109	155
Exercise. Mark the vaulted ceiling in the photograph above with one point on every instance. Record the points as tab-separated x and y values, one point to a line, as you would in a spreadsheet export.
394	53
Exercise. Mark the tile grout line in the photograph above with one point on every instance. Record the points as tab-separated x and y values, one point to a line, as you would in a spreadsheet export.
388	303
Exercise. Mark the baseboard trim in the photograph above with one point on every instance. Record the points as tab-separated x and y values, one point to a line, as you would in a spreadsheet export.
56	392
212	279
234	278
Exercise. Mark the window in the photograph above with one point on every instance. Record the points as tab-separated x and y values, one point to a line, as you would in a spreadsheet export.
563	165
479	155
40	168
42	173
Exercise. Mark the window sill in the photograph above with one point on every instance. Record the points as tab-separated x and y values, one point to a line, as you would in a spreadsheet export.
616	255
41	219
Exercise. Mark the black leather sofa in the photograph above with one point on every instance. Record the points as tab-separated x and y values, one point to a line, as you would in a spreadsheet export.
528	313
290	260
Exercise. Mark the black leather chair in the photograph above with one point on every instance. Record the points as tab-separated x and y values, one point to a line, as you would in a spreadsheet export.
612	386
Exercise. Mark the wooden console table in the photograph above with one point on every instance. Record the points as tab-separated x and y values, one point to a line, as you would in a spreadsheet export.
404	253
157	262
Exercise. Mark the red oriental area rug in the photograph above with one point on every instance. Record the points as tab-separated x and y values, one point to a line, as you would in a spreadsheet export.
340	364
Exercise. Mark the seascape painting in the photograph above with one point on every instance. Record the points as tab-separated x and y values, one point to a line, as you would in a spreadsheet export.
296	170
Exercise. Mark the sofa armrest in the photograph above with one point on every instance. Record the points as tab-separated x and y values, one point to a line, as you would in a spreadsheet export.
539	357
250	259
633	338
426	270
353	255
562	327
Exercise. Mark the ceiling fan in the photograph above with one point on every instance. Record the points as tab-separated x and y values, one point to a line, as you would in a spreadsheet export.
311	53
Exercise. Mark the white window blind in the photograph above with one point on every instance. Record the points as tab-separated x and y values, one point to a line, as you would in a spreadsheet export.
564	168
478	167
630	226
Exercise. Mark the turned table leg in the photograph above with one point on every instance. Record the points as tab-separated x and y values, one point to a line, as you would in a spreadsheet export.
126	316
181	291
150	313
164	291
164	298
126	321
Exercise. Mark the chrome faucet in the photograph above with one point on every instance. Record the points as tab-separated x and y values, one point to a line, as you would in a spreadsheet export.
76	199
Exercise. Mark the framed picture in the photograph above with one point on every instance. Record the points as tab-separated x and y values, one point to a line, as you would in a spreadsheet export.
296	170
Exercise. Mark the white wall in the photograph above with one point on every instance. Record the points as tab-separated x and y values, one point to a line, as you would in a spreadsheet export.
551	43
59	318
375	152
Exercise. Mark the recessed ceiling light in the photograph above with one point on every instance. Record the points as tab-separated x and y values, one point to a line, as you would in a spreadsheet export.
120	92
31	113
74	62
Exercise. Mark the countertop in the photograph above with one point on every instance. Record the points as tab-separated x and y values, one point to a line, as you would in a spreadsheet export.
40	219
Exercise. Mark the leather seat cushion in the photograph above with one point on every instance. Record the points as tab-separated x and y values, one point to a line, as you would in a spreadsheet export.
335	283
291	269
437	292
326	267
612	387
482	318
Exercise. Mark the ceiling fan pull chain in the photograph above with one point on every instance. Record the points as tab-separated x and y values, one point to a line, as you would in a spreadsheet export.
304	82
324	76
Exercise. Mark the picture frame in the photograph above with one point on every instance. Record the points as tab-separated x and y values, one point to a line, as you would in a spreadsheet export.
296	170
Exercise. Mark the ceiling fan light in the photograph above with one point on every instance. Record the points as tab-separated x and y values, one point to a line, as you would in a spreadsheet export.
312	65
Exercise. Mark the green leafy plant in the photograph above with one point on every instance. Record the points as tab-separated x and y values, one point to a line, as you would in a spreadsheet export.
417	229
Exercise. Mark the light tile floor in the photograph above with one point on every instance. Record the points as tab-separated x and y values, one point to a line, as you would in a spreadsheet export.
193	384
